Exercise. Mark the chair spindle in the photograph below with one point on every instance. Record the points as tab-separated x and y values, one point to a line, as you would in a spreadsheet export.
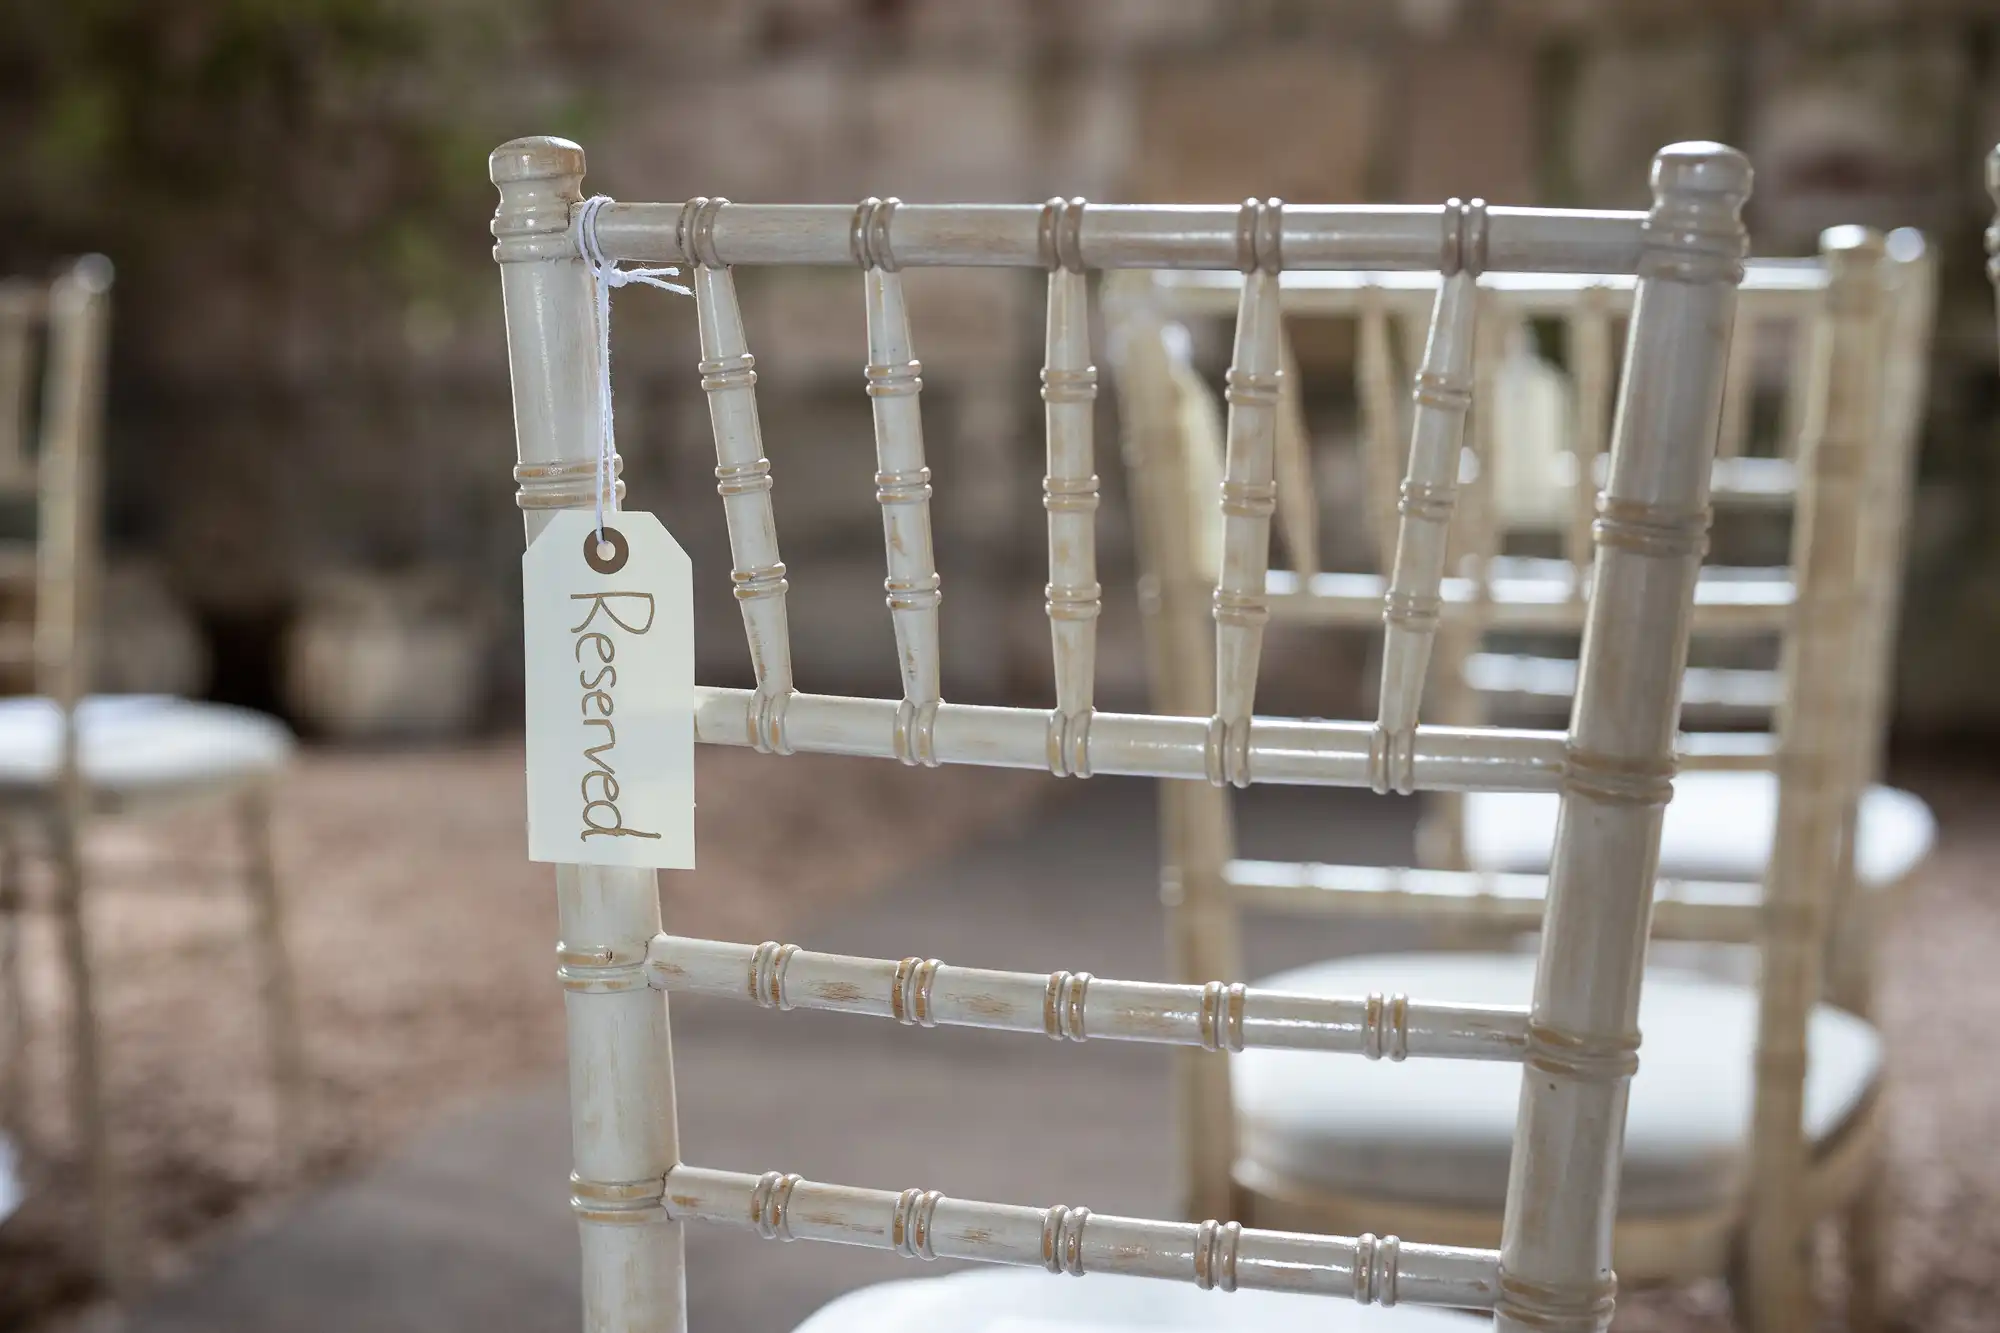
902	481
1069	492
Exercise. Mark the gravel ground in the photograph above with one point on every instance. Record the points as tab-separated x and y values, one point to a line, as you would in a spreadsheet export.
423	938
423	941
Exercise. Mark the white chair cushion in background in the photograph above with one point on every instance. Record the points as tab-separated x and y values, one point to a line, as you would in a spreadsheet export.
1718	826
1440	1132
140	744
1029	1300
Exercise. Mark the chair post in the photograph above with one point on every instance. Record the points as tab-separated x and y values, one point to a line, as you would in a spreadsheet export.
1993	232
1555	1253
1823	690
1197	834
65	592
621	1065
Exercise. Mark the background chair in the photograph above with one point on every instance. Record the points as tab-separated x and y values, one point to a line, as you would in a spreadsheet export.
1312	1146
66	756
632	1191
1720	827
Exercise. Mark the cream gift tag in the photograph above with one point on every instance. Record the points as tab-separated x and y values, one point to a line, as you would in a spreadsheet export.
610	684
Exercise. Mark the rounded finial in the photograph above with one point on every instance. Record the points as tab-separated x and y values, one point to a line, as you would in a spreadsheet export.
536	157
540	180
1700	167
1853	241
91	273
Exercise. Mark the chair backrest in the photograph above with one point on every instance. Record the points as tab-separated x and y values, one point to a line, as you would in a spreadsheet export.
1539	596
1556	471
1613	768
1868	319
49	427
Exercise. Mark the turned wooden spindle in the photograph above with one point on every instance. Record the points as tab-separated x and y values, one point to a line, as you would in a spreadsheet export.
1298	500
1443	395
1249	492
742	477
1592	362
902	481
1073	598
1382	433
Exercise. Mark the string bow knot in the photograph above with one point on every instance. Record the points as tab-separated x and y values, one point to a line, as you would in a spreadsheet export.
606	275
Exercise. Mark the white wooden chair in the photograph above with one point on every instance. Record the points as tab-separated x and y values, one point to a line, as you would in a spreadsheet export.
66	756
1993	231
1721	824
1300	1143
1576	1035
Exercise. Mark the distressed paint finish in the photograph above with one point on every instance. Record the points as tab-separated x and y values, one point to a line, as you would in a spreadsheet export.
620	1061
1075	1006
743	480
1249	493
1130	236
1412	604
1281	750
902	481
1073	599
926	1225
1650	533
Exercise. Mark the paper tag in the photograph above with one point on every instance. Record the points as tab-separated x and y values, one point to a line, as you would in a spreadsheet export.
610	683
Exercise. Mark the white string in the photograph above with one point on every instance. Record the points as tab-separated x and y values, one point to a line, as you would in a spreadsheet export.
607	275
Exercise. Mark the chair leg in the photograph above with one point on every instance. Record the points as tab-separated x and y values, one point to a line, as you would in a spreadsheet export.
1861	1245
275	981
110	1253
13	997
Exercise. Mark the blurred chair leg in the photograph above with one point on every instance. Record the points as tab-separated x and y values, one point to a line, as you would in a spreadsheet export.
1861	1244
13	996
279	995
87	1112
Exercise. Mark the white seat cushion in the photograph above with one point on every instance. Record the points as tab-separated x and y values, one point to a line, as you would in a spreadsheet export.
140	744
1718	826
1028	1300
12	1191
1441	1131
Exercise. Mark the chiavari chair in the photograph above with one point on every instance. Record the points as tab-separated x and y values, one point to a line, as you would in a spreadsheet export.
68	756
1308	1145
1574	1040
1720	826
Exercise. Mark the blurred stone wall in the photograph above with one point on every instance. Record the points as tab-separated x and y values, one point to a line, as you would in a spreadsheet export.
283	441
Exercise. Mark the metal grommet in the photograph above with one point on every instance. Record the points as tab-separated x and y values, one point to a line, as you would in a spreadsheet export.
593	553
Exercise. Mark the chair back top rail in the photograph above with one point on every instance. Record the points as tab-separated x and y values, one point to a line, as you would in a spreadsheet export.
1770	286
1110	236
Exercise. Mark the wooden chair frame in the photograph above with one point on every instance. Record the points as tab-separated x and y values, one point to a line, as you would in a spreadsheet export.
1512	594
63	472
1614	768
1858	415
